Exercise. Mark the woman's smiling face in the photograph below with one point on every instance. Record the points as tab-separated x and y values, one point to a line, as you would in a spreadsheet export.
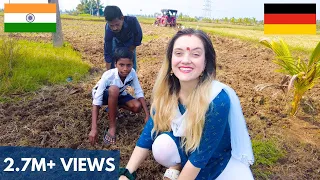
188	58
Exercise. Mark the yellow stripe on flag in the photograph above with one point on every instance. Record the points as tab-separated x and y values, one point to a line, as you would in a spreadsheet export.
290	29
29	8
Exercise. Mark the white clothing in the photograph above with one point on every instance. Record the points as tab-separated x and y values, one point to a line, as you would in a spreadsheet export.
111	78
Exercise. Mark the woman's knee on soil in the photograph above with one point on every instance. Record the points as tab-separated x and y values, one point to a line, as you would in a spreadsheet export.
165	151
113	92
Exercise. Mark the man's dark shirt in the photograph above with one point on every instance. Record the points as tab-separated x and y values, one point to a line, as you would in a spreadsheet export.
130	35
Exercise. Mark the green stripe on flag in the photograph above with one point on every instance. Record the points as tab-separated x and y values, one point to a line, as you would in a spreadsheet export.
29	27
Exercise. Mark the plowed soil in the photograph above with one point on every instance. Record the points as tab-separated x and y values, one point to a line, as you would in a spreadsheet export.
60	116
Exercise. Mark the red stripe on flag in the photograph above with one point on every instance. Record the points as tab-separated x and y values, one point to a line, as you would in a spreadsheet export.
289	18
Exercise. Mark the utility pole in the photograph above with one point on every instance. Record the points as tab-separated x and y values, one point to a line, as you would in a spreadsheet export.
57	36
207	8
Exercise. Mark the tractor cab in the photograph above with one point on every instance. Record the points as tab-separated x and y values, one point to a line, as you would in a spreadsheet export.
168	17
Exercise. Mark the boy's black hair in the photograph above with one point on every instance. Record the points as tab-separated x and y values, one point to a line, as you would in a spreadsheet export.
112	12
122	52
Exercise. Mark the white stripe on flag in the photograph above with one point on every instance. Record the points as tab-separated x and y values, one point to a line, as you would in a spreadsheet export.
26	1
21	18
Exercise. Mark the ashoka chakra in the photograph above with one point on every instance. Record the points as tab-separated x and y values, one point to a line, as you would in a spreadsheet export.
30	17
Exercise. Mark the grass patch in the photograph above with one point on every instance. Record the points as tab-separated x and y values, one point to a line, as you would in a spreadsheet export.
83	17
266	155
266	152
145	20
26	66
147	38
297	43
222	25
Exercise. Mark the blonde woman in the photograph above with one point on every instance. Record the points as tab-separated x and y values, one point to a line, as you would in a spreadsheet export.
197	128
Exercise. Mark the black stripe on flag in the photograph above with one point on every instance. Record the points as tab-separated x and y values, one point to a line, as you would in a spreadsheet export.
305	8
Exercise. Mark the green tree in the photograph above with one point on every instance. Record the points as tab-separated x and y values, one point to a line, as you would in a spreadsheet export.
225	19
246	21
93	7
254	20
232	20
180	16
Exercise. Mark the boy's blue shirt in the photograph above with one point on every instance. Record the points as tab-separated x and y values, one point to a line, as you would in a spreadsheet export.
130	35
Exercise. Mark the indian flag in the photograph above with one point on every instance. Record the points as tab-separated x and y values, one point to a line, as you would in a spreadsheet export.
290	18
30	17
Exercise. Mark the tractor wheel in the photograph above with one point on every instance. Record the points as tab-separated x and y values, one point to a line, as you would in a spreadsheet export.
164	23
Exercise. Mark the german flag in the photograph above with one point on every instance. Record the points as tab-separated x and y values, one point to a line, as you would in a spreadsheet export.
290	18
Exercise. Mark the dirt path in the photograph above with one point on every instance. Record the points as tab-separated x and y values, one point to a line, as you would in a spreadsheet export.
59	116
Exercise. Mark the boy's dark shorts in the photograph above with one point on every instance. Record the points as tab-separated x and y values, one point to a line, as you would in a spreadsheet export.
121	99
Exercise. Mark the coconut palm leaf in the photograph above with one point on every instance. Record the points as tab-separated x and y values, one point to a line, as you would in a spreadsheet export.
315	56
304	75
302	65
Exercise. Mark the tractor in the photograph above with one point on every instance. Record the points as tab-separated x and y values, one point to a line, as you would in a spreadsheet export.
167	18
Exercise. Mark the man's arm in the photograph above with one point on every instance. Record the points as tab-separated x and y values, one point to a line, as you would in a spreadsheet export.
108	47
137	33
132	48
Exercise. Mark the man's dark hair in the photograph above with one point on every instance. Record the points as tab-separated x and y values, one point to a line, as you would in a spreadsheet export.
122	52
112	12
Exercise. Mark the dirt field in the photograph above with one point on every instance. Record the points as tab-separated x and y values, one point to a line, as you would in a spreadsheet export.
60	116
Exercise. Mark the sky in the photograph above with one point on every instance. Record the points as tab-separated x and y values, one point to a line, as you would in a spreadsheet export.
220	8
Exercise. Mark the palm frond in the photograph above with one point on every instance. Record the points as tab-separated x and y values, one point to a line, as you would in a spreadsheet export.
266	42
285	49
287	64
315	56
318	71
304	75
302	65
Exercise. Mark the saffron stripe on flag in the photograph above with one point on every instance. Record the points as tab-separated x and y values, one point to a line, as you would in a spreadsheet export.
38	18
306	8
290	29
289	18
29	27
29	8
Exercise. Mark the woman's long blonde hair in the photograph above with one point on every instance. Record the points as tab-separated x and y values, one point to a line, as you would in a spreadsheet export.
166	91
